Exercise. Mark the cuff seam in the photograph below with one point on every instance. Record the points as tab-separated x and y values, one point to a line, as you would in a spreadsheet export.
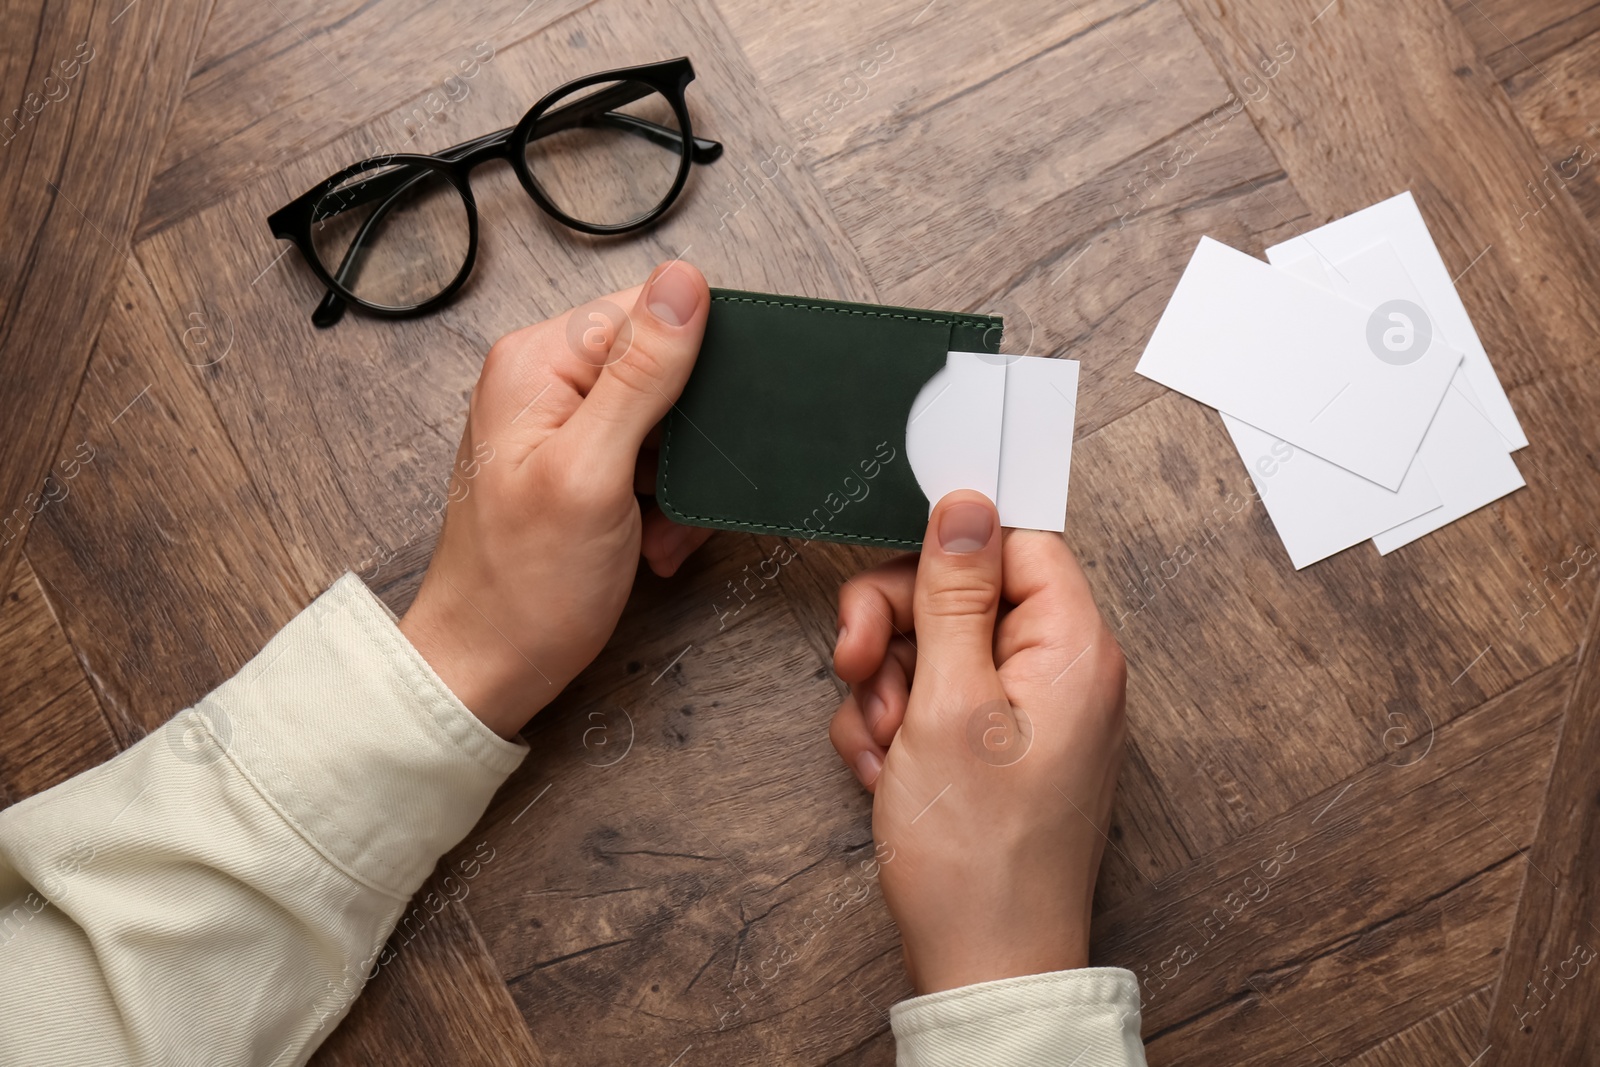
1079	987
469	734
917	1027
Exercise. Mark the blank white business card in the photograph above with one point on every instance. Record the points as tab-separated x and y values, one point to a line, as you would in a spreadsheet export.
1398	221
1293	360
1317	507
953	433
1465	455
1002	425
1036	442
1466	459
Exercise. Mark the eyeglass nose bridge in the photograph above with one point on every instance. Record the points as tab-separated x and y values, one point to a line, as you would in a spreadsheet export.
470	155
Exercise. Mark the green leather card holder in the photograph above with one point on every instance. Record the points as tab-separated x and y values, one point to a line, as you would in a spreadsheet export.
794	420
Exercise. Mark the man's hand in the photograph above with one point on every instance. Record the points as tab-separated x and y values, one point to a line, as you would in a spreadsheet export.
986	715
543	533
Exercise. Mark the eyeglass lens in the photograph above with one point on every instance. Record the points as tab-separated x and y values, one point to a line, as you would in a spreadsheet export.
607	154
395	235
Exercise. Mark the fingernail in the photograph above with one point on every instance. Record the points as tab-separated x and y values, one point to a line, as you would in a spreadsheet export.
876	709
672	296
837	641
965	527
867	766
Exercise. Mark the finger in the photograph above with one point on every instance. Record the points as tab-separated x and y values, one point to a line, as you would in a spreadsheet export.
665	544
1039	563
883	697
535	377
1054	606
957	594
874	607
652	356
855	746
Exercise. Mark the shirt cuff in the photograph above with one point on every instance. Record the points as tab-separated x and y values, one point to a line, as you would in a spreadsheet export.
1087	1017
344	728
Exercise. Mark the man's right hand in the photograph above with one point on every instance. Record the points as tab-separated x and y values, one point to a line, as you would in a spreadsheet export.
986	716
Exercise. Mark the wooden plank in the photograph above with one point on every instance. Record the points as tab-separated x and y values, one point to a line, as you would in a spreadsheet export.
1560	105
436	997
877	1051
1328	1007
161	562
839	82
93	93
1451	1037
894	188
51	726
1356	897
1514	36
1543	1005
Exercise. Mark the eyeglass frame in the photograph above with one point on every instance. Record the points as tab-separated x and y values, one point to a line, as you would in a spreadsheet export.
294	221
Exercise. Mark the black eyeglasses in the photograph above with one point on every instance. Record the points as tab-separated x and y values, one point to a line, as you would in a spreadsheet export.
605	154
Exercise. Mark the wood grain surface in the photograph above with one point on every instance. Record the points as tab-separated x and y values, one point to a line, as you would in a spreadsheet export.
1357	820
89	91
1543	985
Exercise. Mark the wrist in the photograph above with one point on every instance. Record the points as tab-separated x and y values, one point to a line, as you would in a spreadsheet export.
483	671
940	971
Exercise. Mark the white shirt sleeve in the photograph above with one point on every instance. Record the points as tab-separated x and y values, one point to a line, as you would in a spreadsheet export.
217	894
1080	1018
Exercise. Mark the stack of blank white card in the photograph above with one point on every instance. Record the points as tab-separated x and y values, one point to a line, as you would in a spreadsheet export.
1350	378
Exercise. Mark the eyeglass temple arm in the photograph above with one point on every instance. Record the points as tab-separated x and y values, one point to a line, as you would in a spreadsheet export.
700	150
590	110
601	108
332	306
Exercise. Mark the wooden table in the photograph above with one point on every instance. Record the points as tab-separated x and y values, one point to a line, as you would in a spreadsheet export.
1400	754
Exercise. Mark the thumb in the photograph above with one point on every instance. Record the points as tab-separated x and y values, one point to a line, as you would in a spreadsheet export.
957	595
649	364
